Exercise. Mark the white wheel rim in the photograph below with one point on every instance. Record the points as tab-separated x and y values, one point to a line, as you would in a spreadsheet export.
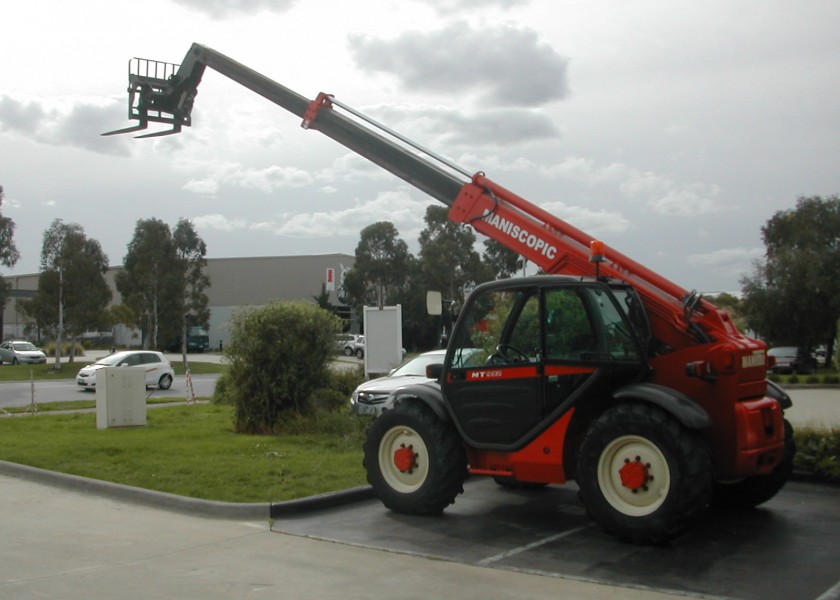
399	439
638	501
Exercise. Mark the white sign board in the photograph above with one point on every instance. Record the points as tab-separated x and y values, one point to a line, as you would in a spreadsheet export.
383	338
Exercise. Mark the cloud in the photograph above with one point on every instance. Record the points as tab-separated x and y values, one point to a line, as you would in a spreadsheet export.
448	7
219	222
505	65
268	179
79	126
727	262
445	127
395	206
663	195
348	168
599	223
218	9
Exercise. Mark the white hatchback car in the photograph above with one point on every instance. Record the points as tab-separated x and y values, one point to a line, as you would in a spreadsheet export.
159	371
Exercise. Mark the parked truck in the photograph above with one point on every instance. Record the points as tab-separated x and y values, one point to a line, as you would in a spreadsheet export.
600	372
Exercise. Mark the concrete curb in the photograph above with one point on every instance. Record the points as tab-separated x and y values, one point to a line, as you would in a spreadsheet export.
183	504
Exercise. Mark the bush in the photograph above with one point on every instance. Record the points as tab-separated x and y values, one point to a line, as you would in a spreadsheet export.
49	349
223	393
279	355
345	380
818	453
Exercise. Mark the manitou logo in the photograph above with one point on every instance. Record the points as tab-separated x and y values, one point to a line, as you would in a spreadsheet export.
485	375
523	236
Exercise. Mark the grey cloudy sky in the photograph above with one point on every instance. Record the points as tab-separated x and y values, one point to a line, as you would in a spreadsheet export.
671	130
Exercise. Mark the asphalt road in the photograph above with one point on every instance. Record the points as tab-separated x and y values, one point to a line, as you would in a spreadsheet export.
787	549
14	394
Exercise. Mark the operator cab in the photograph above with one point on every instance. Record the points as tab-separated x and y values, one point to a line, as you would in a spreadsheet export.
526	351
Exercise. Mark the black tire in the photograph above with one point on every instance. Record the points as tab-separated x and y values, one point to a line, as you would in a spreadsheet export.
165	382
642	475
752	491
348	351
415	462
360	354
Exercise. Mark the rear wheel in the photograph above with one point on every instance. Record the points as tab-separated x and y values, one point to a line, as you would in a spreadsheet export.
165	382
415	462
642	475
752	491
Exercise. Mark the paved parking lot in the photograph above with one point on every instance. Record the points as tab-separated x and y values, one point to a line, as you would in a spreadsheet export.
789	548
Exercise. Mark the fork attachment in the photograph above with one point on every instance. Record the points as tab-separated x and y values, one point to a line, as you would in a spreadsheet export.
156	95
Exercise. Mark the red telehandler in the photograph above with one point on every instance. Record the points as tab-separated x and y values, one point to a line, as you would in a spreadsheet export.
601	371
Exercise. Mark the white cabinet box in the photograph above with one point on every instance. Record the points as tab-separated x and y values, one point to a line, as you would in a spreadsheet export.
120	397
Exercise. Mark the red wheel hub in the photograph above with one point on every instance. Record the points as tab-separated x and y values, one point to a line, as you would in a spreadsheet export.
634	474
404	458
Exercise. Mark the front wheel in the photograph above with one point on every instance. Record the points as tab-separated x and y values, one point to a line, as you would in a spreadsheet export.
642	475
415	462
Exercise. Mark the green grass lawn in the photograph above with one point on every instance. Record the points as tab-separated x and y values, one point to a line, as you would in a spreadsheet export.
69	370
191	451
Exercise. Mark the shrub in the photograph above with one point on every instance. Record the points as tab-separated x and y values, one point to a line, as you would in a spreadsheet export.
346	380
818	453
223	392
279	355
49	349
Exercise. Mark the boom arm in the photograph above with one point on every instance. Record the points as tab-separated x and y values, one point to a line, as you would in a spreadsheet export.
164	93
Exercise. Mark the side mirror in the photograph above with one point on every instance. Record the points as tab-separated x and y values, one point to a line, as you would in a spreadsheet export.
434	371
434	303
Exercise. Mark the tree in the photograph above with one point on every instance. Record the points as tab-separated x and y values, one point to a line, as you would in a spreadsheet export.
793	296
72	291
9	254
733	306
504	261
382	261
192	300
151	280
448	259
279	355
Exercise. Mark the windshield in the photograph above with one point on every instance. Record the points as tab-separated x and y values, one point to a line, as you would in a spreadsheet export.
110	361
23	346
417	365
783	352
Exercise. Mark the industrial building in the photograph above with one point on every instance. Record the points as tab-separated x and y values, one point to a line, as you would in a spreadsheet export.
234	283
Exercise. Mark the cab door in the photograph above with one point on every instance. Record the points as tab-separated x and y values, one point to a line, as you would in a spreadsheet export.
522	357
494	380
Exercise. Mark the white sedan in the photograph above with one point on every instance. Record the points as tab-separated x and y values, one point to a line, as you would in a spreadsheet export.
371	397
16	353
